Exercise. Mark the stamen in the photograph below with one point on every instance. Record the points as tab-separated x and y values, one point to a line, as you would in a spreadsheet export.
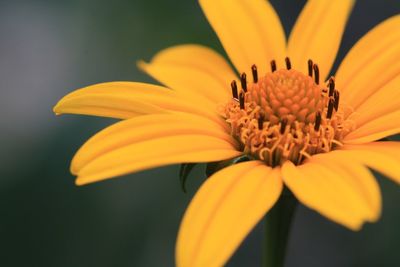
310	68
234	89
317	121
283	125
288	63
331	85
243	81
286	115
260	121
316	72
330	108
254	72
241	100
273	66
336	97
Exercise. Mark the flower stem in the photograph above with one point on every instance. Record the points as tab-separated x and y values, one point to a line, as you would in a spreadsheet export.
277	228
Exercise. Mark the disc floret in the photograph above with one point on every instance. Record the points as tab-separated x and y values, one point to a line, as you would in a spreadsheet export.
285	114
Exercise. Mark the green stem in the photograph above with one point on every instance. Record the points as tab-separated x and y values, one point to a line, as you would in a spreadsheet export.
277	228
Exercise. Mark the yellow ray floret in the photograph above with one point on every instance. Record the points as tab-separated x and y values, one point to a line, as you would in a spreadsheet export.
317	33
359	181
380	103
192	69
325	191
381	156
371	63
128	99
375	129
250	31
156	152
145	128
227	206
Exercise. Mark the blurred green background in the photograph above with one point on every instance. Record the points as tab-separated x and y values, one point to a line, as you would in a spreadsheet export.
49	48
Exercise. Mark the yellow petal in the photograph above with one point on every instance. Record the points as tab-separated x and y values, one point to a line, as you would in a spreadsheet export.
384	101
317	34
371	63
156	152
376	129
381	156
323	190
250	31
145	128
192	67
359	179
127	99
222	213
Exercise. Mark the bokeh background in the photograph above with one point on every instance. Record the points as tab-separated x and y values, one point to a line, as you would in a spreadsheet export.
49	48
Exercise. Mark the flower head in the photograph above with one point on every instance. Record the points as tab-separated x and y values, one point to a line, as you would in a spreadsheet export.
312	133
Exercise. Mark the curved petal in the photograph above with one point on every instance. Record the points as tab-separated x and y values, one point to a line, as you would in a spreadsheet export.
224	210
371	63
375	129
318	32
145	128
156	152
323	190
192	67
384	101
250	31
381	156
124	100
359	179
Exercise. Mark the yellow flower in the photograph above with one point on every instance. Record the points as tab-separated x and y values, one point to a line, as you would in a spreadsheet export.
315	137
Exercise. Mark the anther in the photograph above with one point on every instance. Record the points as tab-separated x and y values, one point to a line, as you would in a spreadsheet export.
288	63
260	121
310	68
254	72
234	89
243	81
241	100
317	121
316	73
331	105
336	98
283	125
273	66
331	85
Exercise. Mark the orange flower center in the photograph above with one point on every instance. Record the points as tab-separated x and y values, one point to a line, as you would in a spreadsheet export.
285	115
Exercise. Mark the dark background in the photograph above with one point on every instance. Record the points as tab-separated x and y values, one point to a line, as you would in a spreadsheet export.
49	48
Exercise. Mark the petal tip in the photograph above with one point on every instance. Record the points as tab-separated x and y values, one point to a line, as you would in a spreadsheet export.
73	169
357	227
375	216
75	165
58	108
79	182
142	65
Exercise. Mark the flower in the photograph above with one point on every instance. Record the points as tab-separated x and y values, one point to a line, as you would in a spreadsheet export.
315	137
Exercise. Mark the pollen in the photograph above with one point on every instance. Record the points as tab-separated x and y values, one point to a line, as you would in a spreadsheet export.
285	114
